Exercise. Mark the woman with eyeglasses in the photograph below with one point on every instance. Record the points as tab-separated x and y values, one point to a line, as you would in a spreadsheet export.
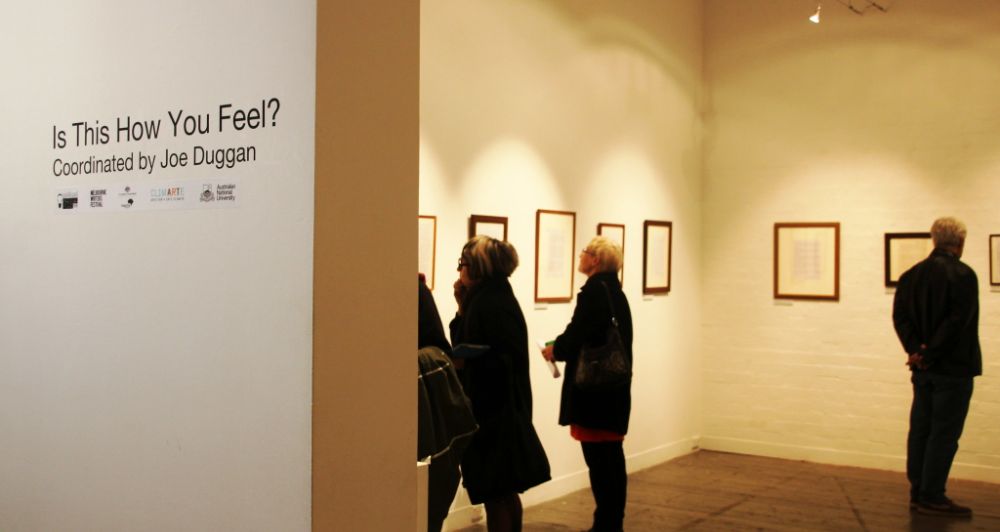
505	457
598	419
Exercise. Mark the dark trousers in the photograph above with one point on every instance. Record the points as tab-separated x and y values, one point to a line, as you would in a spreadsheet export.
940	404
608	482
443	479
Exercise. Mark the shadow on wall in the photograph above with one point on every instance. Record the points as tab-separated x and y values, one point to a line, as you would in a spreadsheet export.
567	80
901	86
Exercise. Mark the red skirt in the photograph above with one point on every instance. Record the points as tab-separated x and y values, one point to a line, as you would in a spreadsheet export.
585	434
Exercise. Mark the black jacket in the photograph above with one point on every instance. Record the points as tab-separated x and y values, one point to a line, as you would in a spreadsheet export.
429	328
444	417
937	305
505	456
606	410
445	426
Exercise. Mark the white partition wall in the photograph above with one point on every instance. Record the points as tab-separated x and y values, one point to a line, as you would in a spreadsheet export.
155	339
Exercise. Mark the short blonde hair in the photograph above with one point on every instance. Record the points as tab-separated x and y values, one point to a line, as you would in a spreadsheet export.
606	252
948	232
488	257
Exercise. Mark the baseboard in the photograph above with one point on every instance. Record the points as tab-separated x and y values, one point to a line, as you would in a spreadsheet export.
838	457
658	455
578	480
565	484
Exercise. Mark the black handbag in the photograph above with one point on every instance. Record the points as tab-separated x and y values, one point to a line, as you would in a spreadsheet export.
605	366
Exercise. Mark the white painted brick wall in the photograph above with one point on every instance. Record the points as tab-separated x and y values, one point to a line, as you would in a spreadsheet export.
584	107
881	122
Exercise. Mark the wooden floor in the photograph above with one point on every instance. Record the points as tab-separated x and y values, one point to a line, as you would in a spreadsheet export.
720	491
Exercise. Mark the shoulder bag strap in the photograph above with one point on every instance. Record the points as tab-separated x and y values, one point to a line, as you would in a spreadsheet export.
611	304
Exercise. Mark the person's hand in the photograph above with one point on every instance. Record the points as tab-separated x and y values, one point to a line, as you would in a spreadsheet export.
916	360
459	290
548	353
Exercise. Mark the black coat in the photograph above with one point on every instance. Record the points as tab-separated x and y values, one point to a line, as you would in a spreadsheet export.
608	409
505	456
429	328
937	305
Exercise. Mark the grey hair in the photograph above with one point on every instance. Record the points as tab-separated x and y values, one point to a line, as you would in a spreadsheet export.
607	253
948	232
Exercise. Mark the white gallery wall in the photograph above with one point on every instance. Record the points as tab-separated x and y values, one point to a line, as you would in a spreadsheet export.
587	107
155	356
880	122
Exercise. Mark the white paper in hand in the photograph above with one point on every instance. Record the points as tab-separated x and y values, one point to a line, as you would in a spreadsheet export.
553	368
552	365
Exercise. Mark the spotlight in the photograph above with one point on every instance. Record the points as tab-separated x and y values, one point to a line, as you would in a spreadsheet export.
815	18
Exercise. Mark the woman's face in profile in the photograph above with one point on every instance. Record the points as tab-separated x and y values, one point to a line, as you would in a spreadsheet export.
463	274
587	262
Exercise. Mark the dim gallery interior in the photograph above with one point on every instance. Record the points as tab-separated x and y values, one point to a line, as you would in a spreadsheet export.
770	167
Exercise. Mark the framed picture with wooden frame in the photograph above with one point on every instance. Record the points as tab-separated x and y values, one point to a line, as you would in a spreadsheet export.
492	226
994	260
427	249
555	249
657	241
807	260
902	251
615	232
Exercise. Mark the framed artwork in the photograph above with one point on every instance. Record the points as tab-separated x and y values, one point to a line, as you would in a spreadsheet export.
616	232
807	261
555	248
427	237
902	251
656	256
994	260
492	226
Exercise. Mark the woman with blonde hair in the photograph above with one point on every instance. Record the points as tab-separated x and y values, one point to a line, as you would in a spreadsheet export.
598	419
505	457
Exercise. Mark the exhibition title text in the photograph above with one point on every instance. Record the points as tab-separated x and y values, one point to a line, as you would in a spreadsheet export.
178	123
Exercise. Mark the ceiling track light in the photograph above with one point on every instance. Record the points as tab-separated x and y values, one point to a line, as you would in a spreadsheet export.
850	5
868	5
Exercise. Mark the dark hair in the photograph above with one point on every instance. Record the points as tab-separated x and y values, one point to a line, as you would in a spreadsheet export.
487	257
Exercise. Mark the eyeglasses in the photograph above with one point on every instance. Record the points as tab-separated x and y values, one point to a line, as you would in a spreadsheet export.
462	264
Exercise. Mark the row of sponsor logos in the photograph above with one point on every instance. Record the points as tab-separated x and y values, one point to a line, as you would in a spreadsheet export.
127	197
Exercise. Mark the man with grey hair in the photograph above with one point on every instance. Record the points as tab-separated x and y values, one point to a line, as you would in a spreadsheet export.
936	316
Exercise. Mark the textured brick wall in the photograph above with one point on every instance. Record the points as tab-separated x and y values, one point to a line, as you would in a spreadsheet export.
881	122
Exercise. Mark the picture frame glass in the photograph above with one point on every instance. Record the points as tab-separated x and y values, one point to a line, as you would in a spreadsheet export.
903	251
995	260
554	255
657	239
807	261
491	226
490	229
